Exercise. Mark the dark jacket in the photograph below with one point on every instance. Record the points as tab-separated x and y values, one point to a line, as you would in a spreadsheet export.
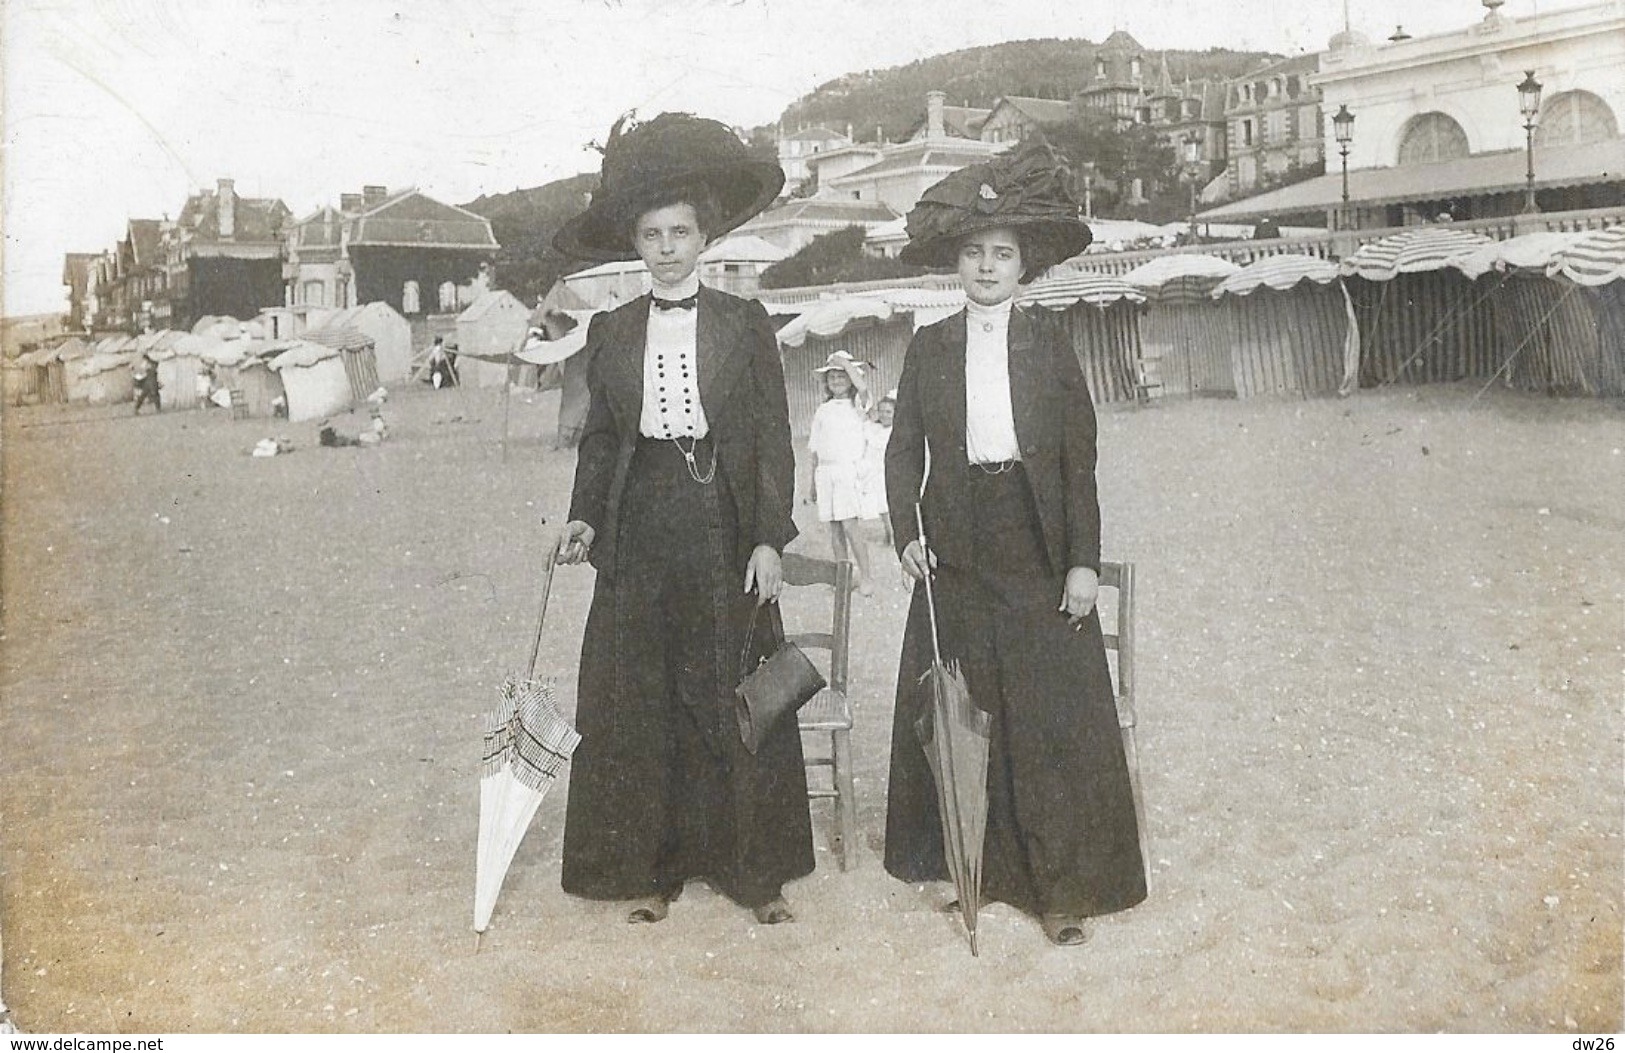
1055	427
742	393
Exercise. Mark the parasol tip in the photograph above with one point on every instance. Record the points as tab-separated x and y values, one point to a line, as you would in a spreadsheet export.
974	953
479	933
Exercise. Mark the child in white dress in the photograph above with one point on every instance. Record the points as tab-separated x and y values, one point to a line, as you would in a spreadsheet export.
837	444
872	476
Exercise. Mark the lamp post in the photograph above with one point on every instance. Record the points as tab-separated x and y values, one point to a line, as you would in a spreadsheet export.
1193	162
1529	106
1343	130
1088	189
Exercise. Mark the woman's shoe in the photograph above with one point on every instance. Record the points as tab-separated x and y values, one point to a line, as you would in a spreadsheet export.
774	912
1065	930
653	908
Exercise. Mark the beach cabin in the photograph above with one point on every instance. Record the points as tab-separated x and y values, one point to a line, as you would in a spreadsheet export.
313	379
489	330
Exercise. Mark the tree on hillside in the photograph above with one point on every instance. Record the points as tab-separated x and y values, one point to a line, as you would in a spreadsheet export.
1120	156
835	257
524	222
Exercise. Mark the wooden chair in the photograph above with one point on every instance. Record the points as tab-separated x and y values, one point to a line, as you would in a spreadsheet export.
1120	644
1147	379
830	711
239	405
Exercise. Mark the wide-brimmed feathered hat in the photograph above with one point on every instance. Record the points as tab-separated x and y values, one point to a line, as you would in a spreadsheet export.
1028	189
646	161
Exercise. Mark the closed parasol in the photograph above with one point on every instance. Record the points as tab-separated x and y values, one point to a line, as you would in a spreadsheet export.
955	736
528	742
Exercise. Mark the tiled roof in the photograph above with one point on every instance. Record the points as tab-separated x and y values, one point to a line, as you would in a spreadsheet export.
818	134
923	154
1121	41
323	228
848	210
146	242
1044	111
413	218
256	218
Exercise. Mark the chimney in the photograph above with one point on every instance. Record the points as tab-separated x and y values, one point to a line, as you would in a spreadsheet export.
349	202
372	195
225	200
934	128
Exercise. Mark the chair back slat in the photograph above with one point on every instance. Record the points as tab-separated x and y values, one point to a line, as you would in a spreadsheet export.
802	570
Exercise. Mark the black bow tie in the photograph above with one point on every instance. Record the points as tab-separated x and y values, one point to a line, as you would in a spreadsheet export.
687	303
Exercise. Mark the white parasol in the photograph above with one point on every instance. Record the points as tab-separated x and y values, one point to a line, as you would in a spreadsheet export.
528	743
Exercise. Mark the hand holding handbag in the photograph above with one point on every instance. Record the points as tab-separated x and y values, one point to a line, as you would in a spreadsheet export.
781	684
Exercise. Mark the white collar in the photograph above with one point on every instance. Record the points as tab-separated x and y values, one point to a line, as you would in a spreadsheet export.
999	312
681	291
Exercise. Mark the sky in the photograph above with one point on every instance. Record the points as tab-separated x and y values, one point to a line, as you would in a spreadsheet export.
119	109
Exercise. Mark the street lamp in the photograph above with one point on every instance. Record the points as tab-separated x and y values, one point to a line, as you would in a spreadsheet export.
1343	129
1088	189
1529	106
1193	162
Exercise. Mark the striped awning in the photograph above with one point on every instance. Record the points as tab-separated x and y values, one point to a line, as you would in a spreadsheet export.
1164	269
1062	291
343	337
1410	251
1595	258
1279	273
831	317
1528	252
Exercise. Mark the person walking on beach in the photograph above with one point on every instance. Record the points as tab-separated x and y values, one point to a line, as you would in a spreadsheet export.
836	446
146	385
682	500
994	397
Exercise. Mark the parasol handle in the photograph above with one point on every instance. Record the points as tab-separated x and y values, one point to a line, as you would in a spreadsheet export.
930	599
541	618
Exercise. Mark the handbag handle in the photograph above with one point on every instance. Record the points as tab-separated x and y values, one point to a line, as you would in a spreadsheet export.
775	622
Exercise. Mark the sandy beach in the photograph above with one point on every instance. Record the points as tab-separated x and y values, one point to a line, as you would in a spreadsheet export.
1382	731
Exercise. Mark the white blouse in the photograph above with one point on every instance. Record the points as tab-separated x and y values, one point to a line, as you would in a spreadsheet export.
990	423
671	376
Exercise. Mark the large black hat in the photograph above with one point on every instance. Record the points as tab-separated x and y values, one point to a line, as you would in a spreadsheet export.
648	160
1027	188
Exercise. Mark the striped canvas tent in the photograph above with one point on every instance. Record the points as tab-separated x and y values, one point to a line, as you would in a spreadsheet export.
1526	252
1419	250
1590	271
1594	259
1291	325
1183	338
1420	319
1101	315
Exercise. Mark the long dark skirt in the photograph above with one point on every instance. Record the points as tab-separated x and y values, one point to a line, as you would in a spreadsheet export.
661	787
1061	832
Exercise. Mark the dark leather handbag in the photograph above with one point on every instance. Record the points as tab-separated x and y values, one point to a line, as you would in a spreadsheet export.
782	683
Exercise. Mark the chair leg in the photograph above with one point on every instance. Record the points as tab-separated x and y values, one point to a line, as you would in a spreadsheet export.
846	805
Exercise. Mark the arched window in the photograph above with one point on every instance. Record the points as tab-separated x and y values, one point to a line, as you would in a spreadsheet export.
448	296
1575	117
315	294
1432	136
409	298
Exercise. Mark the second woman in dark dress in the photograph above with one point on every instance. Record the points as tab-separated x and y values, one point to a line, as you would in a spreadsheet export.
994	422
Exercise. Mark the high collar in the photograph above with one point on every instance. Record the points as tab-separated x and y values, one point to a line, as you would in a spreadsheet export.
999	312
681	291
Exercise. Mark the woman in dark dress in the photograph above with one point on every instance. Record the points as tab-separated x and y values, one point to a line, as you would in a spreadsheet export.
994	422
682	501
